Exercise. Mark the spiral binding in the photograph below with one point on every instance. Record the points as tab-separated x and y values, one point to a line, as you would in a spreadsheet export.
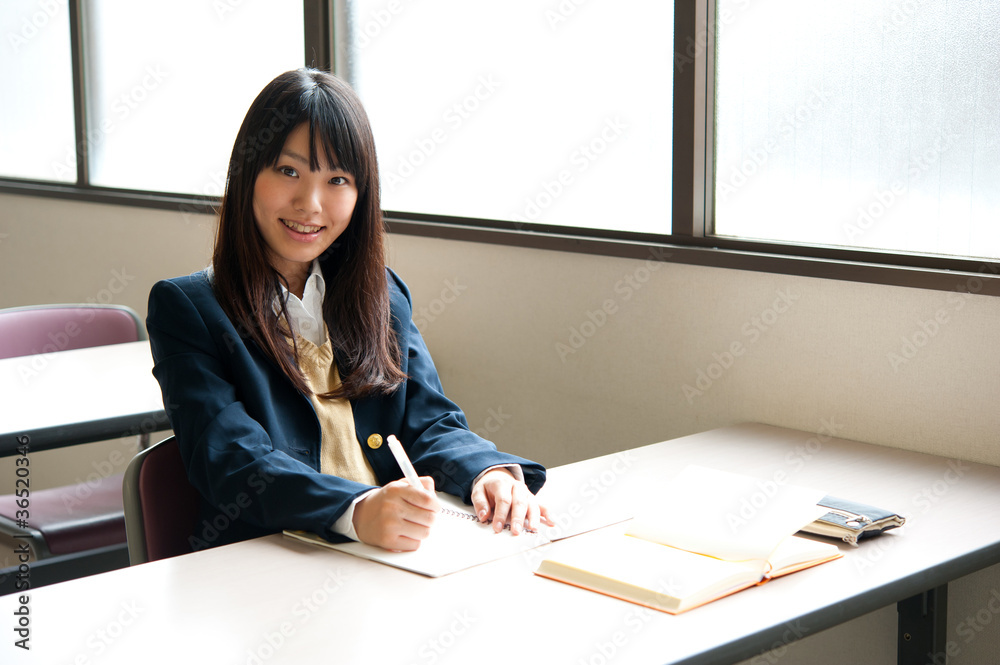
461	514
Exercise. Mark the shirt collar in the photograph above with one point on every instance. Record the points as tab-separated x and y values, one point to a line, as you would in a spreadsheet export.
315	285
306	314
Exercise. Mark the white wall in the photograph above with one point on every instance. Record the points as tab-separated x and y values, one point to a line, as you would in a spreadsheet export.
495	317
825	357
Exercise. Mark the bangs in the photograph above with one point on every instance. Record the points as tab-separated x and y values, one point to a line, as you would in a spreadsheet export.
333	130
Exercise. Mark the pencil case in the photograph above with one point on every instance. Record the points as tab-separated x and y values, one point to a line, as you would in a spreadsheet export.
851	521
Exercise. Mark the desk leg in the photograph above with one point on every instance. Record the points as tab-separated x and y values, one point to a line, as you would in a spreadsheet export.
923	628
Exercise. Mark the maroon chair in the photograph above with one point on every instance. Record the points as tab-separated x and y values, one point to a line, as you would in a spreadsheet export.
69	519
161	505
28	331
76	519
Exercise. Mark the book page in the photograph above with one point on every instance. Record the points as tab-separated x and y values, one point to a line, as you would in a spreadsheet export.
795	553
454	544
645	572
725	515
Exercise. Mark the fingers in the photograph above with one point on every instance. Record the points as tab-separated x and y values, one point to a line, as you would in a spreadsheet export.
481	503
492	497
501	499
397	517
501	509
426	498
526	512
417	506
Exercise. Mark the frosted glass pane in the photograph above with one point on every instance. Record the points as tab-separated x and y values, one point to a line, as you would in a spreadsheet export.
861	123
171	82
37	132
550	113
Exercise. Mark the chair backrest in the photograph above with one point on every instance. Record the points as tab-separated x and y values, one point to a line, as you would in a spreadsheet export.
26	331
161	506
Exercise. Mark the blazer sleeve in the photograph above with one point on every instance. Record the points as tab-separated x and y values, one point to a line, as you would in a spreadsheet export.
208	383
434	429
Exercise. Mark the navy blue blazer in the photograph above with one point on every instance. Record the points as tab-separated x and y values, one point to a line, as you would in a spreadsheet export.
250	440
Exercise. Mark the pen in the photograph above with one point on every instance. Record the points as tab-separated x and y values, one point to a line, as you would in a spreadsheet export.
404	462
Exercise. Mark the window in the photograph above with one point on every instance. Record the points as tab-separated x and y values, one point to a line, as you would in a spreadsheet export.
37	134
169	86
860	124
165	88
554	113
852	140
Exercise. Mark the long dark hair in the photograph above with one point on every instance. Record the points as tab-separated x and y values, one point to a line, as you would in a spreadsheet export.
356	306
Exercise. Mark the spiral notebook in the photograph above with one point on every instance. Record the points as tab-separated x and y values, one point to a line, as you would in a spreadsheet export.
458	540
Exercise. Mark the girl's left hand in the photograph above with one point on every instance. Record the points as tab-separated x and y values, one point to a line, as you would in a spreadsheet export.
500	497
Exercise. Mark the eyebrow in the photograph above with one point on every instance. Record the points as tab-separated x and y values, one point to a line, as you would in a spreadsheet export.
305	160
296	156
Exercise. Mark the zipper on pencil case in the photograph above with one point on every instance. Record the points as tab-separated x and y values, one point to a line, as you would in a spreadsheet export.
852	518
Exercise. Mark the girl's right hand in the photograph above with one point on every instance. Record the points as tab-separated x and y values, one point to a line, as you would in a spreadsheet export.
397	516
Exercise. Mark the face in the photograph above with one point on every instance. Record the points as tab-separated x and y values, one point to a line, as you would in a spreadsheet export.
299	212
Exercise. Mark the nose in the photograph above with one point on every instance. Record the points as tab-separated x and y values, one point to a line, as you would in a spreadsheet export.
307	198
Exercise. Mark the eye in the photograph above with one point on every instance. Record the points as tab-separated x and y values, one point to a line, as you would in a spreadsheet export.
287	170
338	180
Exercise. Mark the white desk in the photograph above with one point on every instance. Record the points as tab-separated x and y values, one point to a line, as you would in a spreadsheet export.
281	601
71	397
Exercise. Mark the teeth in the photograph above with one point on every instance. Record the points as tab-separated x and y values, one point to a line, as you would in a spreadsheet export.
300	228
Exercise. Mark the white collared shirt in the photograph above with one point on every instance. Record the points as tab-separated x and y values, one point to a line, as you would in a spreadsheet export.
305	315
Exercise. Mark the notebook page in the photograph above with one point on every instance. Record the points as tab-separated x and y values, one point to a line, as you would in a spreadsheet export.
454	544
725	515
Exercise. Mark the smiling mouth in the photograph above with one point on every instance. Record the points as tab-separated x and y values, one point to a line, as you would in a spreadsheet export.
301	228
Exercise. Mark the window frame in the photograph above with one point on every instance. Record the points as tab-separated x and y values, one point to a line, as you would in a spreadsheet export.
690	240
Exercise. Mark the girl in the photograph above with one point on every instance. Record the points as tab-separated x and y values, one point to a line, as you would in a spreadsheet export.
286	365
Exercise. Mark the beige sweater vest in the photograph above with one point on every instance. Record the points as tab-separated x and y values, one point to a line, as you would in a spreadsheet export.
340	454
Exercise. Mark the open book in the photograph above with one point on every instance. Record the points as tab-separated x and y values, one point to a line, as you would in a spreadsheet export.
458	540
701	543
